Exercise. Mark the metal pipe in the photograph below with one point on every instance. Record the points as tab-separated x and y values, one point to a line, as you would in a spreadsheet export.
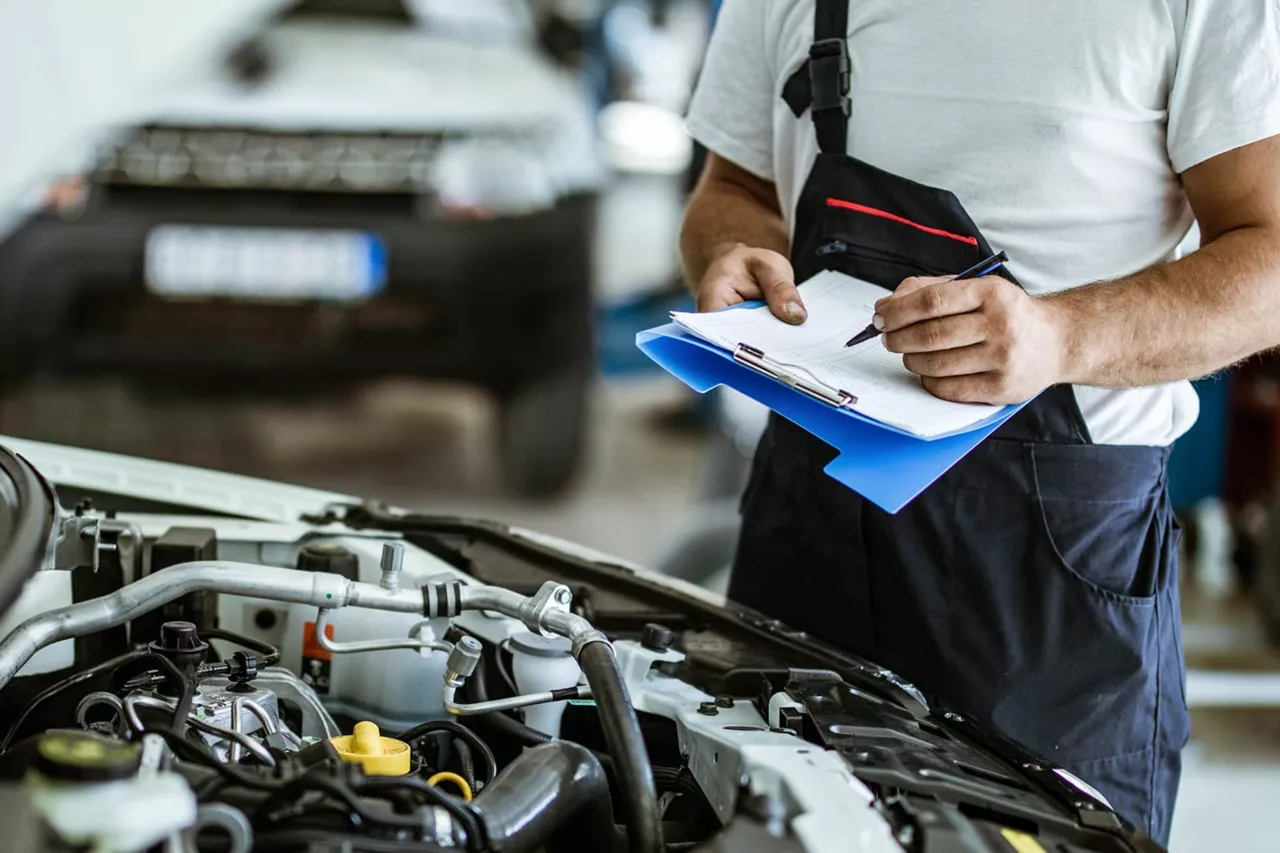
319	589
100	697
238	706
132	703
582	691
547	611
268	724
410	642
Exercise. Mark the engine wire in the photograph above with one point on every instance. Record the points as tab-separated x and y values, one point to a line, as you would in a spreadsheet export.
473	740
93	672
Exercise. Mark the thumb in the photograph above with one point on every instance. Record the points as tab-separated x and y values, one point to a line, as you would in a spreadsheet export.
777	282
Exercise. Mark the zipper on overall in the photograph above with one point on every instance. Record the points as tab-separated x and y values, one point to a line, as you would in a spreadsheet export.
901	220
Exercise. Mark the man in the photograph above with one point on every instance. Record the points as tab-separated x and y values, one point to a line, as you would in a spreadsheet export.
1034	586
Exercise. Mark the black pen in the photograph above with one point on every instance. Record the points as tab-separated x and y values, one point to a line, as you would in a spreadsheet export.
978	270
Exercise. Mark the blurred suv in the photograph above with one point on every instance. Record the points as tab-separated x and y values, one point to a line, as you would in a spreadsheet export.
365	188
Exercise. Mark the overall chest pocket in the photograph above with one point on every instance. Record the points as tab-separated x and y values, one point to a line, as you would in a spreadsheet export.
884	248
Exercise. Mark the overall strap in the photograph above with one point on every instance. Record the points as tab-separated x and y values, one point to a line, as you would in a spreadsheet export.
822	83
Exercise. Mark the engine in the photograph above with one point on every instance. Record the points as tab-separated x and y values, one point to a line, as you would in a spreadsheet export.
367	679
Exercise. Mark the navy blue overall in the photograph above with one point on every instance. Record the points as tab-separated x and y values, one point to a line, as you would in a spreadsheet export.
1033	587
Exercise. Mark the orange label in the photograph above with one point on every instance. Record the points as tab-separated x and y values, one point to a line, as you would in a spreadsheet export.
311	647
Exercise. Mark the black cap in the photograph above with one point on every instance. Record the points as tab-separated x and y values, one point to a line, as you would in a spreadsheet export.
657	638
180	642
85	757
330	558
180	637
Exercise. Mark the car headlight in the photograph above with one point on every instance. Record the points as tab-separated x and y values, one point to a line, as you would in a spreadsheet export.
484	177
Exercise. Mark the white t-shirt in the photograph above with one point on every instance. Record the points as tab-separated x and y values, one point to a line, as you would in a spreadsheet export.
1061	126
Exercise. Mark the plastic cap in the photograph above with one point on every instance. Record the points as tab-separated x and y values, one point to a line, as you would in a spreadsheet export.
84	757
392	556
180	636
529	643
464	657
329	557
378	755
657	638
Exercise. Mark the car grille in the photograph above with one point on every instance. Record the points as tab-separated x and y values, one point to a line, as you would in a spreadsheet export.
243	159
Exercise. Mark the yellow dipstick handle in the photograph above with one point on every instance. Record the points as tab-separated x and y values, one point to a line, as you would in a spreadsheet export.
457	780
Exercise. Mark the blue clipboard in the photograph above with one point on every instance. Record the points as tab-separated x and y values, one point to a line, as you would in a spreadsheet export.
885	465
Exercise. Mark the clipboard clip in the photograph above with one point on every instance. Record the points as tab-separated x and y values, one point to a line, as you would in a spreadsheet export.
756	360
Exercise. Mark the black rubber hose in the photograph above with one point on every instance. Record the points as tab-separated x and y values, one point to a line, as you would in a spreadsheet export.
270	654
66	683
460	731
466	762
626	746
555	792
478	689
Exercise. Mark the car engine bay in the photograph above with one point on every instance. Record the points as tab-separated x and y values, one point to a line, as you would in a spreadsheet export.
195	674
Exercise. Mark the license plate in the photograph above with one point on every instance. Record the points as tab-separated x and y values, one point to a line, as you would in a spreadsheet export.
277	264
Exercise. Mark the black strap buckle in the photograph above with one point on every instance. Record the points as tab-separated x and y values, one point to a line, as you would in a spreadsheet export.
829	73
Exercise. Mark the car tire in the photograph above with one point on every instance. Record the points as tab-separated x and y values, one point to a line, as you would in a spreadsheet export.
542	433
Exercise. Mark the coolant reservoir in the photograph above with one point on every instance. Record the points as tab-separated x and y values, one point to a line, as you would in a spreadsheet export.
87	787
378	755
541	664
398	688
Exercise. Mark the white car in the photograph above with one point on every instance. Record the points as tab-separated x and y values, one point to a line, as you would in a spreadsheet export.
358	189
208	662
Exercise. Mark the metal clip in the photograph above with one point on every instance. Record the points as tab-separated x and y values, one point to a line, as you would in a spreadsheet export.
755	359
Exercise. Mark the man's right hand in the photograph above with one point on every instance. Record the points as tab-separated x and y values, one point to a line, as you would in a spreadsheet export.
741	273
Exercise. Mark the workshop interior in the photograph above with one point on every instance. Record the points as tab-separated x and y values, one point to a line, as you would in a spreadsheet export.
339	510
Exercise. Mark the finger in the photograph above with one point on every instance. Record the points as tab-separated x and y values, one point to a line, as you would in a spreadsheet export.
936	300
974	388
727	284
776	279
711	298
911	285
946	333
964	361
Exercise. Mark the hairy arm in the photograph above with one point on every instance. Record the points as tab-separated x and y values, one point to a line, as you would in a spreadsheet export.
1208	311
987	341
734	242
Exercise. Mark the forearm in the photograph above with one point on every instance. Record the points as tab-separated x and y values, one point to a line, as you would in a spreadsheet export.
1183	320
722	215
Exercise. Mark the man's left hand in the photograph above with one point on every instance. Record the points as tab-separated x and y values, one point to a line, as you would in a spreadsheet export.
982	340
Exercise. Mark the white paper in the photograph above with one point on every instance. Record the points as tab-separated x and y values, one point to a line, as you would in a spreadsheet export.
839	307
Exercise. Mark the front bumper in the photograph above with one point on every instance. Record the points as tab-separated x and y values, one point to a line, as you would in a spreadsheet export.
497	302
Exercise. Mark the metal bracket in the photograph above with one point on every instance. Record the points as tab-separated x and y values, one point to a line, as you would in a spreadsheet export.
551	596
84	539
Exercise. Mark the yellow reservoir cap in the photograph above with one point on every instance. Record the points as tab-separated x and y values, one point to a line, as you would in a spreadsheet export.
378	755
